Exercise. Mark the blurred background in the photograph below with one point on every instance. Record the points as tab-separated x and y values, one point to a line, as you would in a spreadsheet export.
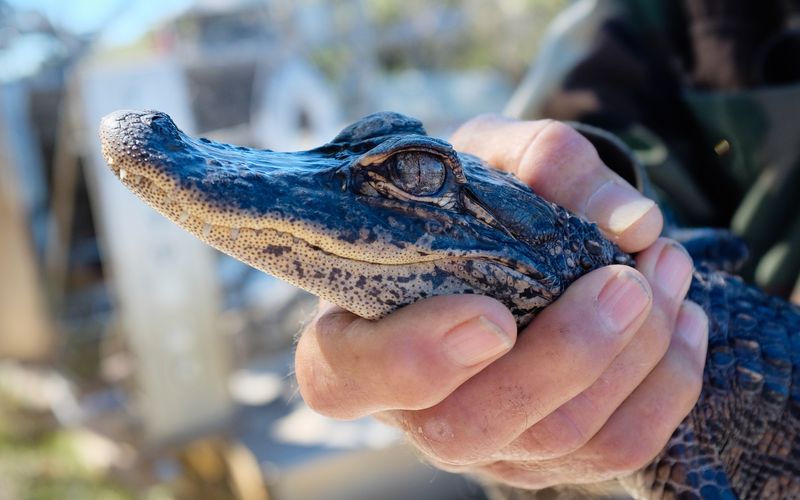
135	362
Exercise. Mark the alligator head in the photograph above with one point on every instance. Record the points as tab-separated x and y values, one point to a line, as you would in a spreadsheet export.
380	217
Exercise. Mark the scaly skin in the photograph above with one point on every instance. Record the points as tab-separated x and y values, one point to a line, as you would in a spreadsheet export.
384	216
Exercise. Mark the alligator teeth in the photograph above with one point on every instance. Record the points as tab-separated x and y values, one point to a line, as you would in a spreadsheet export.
137	179
206	229
122	174
183	217
234	233
170	198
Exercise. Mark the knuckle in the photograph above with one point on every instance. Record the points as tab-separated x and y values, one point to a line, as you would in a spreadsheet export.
555	436
435	436
559	139
556	152
452	452
449	436
410	377
319	383
320	393
637	445
633	452
329	393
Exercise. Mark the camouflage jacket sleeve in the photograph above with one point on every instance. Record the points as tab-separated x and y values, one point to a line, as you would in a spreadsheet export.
723	159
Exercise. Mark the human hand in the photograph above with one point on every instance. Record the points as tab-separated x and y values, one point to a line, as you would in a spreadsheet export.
592	389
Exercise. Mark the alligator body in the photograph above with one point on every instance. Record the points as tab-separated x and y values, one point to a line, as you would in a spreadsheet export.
385	215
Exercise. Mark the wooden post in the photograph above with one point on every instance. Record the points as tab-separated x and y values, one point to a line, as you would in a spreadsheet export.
164	279
26	332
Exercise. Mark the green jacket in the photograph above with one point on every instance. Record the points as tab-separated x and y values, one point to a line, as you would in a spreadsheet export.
723	158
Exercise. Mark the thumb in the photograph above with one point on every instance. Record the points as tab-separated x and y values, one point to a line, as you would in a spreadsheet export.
348	367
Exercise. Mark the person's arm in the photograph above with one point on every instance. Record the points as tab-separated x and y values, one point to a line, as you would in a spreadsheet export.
593	387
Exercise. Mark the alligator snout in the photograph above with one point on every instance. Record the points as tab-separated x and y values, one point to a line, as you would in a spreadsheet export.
125	126
132	130
139	145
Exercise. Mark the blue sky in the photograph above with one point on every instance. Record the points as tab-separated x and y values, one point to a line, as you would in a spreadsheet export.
118	22
127	18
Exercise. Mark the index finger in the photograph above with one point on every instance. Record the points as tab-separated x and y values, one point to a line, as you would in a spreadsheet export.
562	166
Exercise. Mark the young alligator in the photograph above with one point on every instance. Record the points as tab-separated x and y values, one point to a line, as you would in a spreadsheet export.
384	215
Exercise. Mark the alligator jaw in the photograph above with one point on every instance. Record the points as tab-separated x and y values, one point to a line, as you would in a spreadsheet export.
260	214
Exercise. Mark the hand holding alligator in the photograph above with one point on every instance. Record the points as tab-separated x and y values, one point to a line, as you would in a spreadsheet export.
592	390
384	216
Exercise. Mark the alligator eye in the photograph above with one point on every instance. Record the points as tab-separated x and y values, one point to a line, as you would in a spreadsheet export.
417	173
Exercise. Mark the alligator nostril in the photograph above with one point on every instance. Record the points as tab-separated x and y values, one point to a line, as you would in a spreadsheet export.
149	118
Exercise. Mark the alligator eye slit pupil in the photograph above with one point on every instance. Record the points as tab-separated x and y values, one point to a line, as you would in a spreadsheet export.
417	172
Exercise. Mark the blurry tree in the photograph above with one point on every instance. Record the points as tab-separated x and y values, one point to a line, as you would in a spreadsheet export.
503	35
462	34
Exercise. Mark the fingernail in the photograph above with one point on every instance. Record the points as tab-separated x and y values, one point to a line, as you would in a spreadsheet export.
622	300
692	325
673	269
616	207
476	341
